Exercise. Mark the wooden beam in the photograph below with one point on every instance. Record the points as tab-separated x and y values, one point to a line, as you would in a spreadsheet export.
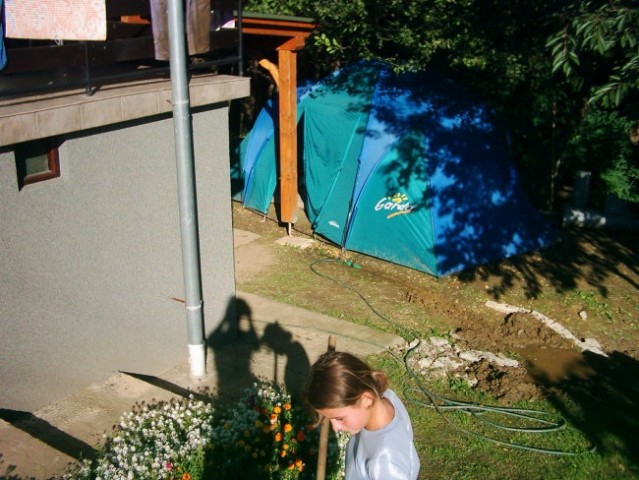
294	44
273	32
269	23
288	135
294	32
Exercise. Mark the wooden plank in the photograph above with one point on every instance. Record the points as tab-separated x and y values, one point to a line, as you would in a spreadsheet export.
288	135
274	32
293	44
288	25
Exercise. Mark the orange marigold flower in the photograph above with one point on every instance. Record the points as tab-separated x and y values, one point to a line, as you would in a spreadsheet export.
282	453
278	437
286	446
186	476
299	464
273	418
287	406
300	436
288	427
277	409
291	466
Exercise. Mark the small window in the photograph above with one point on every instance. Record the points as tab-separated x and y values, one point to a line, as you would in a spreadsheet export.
37	161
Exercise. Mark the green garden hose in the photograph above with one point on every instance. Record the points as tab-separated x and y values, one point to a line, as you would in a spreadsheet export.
538	421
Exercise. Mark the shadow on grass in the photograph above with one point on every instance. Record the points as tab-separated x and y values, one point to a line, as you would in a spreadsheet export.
581	255
601	401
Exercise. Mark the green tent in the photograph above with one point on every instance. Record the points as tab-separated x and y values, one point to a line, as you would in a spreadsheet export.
410	168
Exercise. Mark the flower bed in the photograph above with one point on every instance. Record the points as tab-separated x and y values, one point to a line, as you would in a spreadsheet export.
263	436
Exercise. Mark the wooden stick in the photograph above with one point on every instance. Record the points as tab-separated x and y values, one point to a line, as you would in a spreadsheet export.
324	430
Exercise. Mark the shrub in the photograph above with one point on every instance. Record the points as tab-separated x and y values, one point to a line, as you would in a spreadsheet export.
263	436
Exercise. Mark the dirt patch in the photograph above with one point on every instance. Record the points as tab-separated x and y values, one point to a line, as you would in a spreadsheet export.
507	385
497	357
517	331
587	283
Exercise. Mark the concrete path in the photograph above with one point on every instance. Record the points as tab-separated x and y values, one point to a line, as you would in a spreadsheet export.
274	341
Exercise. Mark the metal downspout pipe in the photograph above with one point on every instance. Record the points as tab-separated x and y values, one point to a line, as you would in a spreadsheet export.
186	190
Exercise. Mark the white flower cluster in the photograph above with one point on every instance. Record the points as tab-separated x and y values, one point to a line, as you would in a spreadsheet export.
152	440
270	394
242	418
177	439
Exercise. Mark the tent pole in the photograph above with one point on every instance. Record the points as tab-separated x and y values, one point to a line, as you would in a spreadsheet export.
186	189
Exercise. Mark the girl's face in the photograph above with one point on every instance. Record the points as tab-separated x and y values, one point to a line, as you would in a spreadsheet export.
350	419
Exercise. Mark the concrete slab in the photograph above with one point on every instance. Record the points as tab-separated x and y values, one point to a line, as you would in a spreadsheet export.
243	237
292	241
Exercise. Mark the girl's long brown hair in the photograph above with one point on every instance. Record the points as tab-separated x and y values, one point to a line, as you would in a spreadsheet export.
338	379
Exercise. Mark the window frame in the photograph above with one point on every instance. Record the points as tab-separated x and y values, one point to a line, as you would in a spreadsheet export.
53	164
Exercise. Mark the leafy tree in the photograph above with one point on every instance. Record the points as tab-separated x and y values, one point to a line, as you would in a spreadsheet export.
597	52
497	48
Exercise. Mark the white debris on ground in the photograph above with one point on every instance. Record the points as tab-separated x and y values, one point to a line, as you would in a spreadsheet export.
585	344
436	357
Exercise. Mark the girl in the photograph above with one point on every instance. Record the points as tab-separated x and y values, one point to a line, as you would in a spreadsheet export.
356	399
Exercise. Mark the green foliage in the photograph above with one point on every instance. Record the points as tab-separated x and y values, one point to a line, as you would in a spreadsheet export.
598	50
537	63
600	144
266	436
278	7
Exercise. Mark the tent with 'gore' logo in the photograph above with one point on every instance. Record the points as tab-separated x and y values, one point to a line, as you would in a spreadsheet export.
408	168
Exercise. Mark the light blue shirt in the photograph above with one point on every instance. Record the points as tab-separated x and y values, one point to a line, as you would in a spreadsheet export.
384	454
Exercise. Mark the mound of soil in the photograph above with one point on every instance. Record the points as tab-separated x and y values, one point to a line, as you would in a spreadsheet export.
505	358
517	331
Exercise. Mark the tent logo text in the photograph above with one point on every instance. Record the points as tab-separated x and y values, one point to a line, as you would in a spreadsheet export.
396	204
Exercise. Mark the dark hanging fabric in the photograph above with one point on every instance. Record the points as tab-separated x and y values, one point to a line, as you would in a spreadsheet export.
198	20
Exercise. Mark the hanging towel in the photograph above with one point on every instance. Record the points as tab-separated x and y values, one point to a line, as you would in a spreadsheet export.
56	19
198	19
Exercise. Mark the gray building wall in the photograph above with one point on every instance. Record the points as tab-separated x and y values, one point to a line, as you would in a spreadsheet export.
90	261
